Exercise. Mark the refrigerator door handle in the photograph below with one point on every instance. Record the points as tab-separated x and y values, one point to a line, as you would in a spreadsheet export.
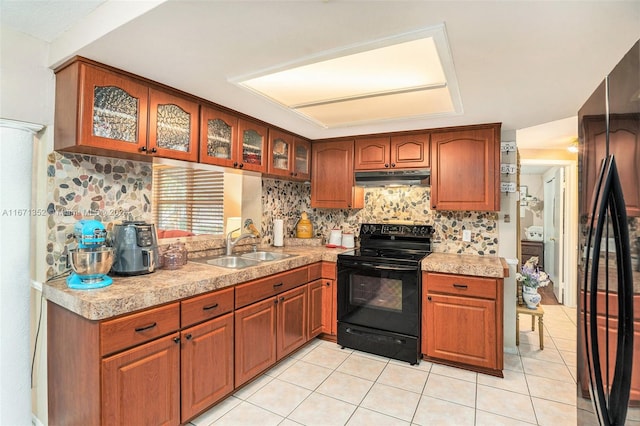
611	406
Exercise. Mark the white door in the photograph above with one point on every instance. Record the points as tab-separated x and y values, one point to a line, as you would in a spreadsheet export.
553	228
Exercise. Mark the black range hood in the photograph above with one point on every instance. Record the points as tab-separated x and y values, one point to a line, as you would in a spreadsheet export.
393	177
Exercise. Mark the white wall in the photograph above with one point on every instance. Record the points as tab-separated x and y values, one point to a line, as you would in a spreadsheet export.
508	249
27	95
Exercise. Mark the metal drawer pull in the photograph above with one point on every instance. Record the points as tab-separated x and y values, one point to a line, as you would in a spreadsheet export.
146	327
208	308
278	285
460	285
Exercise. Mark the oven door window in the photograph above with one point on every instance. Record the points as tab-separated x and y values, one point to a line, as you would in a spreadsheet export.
379	297
376	293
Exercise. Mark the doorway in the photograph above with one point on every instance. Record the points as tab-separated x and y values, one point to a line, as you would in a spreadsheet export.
551	204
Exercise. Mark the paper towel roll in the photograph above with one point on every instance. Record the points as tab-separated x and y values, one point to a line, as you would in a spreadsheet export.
278	232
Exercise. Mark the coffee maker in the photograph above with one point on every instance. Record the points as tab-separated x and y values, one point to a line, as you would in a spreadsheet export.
136	246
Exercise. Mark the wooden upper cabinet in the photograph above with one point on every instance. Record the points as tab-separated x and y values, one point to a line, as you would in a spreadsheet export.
301	159
410	151
96	108
372	153
218	137
399	152
624	144
465	169
104	112
289	156
173	126
280	153
332	184
229	141
252	146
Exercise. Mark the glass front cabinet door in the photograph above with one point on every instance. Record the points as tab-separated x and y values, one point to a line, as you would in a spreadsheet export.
252	143
218	138
301	159
173	126
280	149
114	111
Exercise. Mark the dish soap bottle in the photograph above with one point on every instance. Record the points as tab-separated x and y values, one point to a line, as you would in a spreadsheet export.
304	227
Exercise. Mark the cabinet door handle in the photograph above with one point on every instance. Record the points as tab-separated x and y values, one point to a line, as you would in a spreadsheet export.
235	164
241	165
146	327
278	285
176	340
386	165
275	302
393	164
462	286
154	150
327	283
429	298
189	336
143	149
282	298
208	308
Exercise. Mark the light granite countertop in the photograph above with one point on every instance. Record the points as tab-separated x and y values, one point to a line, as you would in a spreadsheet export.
464	264
129	294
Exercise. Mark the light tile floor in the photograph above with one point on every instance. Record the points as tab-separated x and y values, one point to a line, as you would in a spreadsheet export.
322	384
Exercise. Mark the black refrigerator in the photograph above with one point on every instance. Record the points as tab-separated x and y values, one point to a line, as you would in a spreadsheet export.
608	353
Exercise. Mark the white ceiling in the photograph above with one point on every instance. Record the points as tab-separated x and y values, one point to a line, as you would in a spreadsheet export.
522	63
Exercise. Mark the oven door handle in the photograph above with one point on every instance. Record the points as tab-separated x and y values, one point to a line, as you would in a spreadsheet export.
383	267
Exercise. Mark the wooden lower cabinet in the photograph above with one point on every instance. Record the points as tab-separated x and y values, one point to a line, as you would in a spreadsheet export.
330	299
316	307
268	330
462	321
141	386
255	348
206	368
167	364
292	321
460	329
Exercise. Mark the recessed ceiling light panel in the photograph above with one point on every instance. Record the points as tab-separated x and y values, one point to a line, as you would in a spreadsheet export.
410	75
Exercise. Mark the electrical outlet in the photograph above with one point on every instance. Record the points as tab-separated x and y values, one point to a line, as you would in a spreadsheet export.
466	236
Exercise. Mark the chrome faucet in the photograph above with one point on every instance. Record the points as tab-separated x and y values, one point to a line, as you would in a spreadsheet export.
231	243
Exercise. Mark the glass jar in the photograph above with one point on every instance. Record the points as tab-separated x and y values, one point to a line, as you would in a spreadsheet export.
181	249
172	259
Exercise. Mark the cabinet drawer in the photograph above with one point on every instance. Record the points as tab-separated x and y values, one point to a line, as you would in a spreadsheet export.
131	330
461	285
207	306
329	270
264	287
315	271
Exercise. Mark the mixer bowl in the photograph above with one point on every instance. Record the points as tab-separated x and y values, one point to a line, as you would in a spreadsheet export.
91	263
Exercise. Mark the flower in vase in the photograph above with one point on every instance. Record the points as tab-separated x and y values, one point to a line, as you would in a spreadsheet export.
530	274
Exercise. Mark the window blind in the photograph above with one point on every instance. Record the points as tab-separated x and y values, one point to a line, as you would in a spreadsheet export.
188	199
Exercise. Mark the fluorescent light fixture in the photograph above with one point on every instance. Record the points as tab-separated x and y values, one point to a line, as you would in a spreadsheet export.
410	75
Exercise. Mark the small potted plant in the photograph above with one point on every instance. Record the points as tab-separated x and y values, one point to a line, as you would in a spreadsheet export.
531	277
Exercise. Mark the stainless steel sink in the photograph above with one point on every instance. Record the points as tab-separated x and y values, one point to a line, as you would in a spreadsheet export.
233	262
265	256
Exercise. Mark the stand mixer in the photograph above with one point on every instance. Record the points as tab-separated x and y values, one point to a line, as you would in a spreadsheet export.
92	259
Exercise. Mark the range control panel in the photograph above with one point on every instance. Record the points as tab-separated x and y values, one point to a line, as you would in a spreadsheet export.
396	229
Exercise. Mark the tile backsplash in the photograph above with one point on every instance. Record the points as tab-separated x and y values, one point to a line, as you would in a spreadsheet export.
287	200
111	190
89	187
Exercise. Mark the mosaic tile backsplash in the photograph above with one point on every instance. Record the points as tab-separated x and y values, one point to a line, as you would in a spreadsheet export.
88	187
111	190
287	200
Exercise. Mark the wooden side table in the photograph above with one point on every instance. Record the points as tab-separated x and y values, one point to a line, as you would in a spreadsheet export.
537	312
